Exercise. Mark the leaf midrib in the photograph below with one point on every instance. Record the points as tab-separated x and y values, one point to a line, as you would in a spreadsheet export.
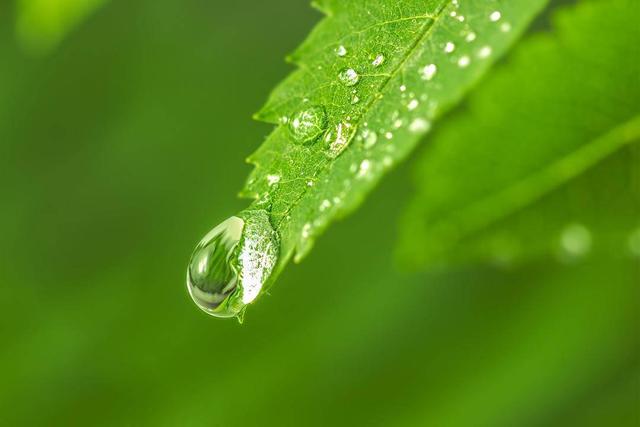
426	31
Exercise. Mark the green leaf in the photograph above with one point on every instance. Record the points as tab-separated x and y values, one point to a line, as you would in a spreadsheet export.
535	135
373	76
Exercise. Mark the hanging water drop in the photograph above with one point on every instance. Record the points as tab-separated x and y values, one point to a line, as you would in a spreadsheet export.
349	77
306	125
231	264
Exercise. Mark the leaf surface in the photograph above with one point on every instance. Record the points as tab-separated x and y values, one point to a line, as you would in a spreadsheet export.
404	63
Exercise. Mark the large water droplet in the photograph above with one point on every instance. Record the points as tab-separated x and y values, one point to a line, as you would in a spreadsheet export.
306	125
231	264
349	77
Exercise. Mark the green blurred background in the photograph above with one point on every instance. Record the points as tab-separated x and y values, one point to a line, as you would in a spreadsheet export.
123	143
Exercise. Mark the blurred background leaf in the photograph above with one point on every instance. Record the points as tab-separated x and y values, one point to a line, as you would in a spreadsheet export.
121	147
563	102
41	24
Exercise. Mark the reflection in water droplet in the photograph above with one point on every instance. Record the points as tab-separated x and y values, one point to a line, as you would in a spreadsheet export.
306	125
349	77
339	138
231	264
495	16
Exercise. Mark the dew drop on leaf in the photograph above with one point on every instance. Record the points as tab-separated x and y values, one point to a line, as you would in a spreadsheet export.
379	60
339	138
419	125
428	71
349	77
464	61
484	52
231	264
341	51
370	138
306	125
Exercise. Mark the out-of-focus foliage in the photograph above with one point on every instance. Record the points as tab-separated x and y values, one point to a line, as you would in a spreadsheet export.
564	101
41	24
121	147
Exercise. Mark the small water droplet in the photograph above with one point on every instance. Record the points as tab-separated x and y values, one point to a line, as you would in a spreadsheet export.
378	61
428	71
403	88
306	125
349	77
306	230
495	16
575	240
419	125
464	61
355	99
413	104
365	165
505	27
273	179
341	51
388	135
449	47
370	139
484	52
231	264
339	138
471	36
326	204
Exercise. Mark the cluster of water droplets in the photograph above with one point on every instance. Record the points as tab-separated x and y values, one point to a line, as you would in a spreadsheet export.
231	264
